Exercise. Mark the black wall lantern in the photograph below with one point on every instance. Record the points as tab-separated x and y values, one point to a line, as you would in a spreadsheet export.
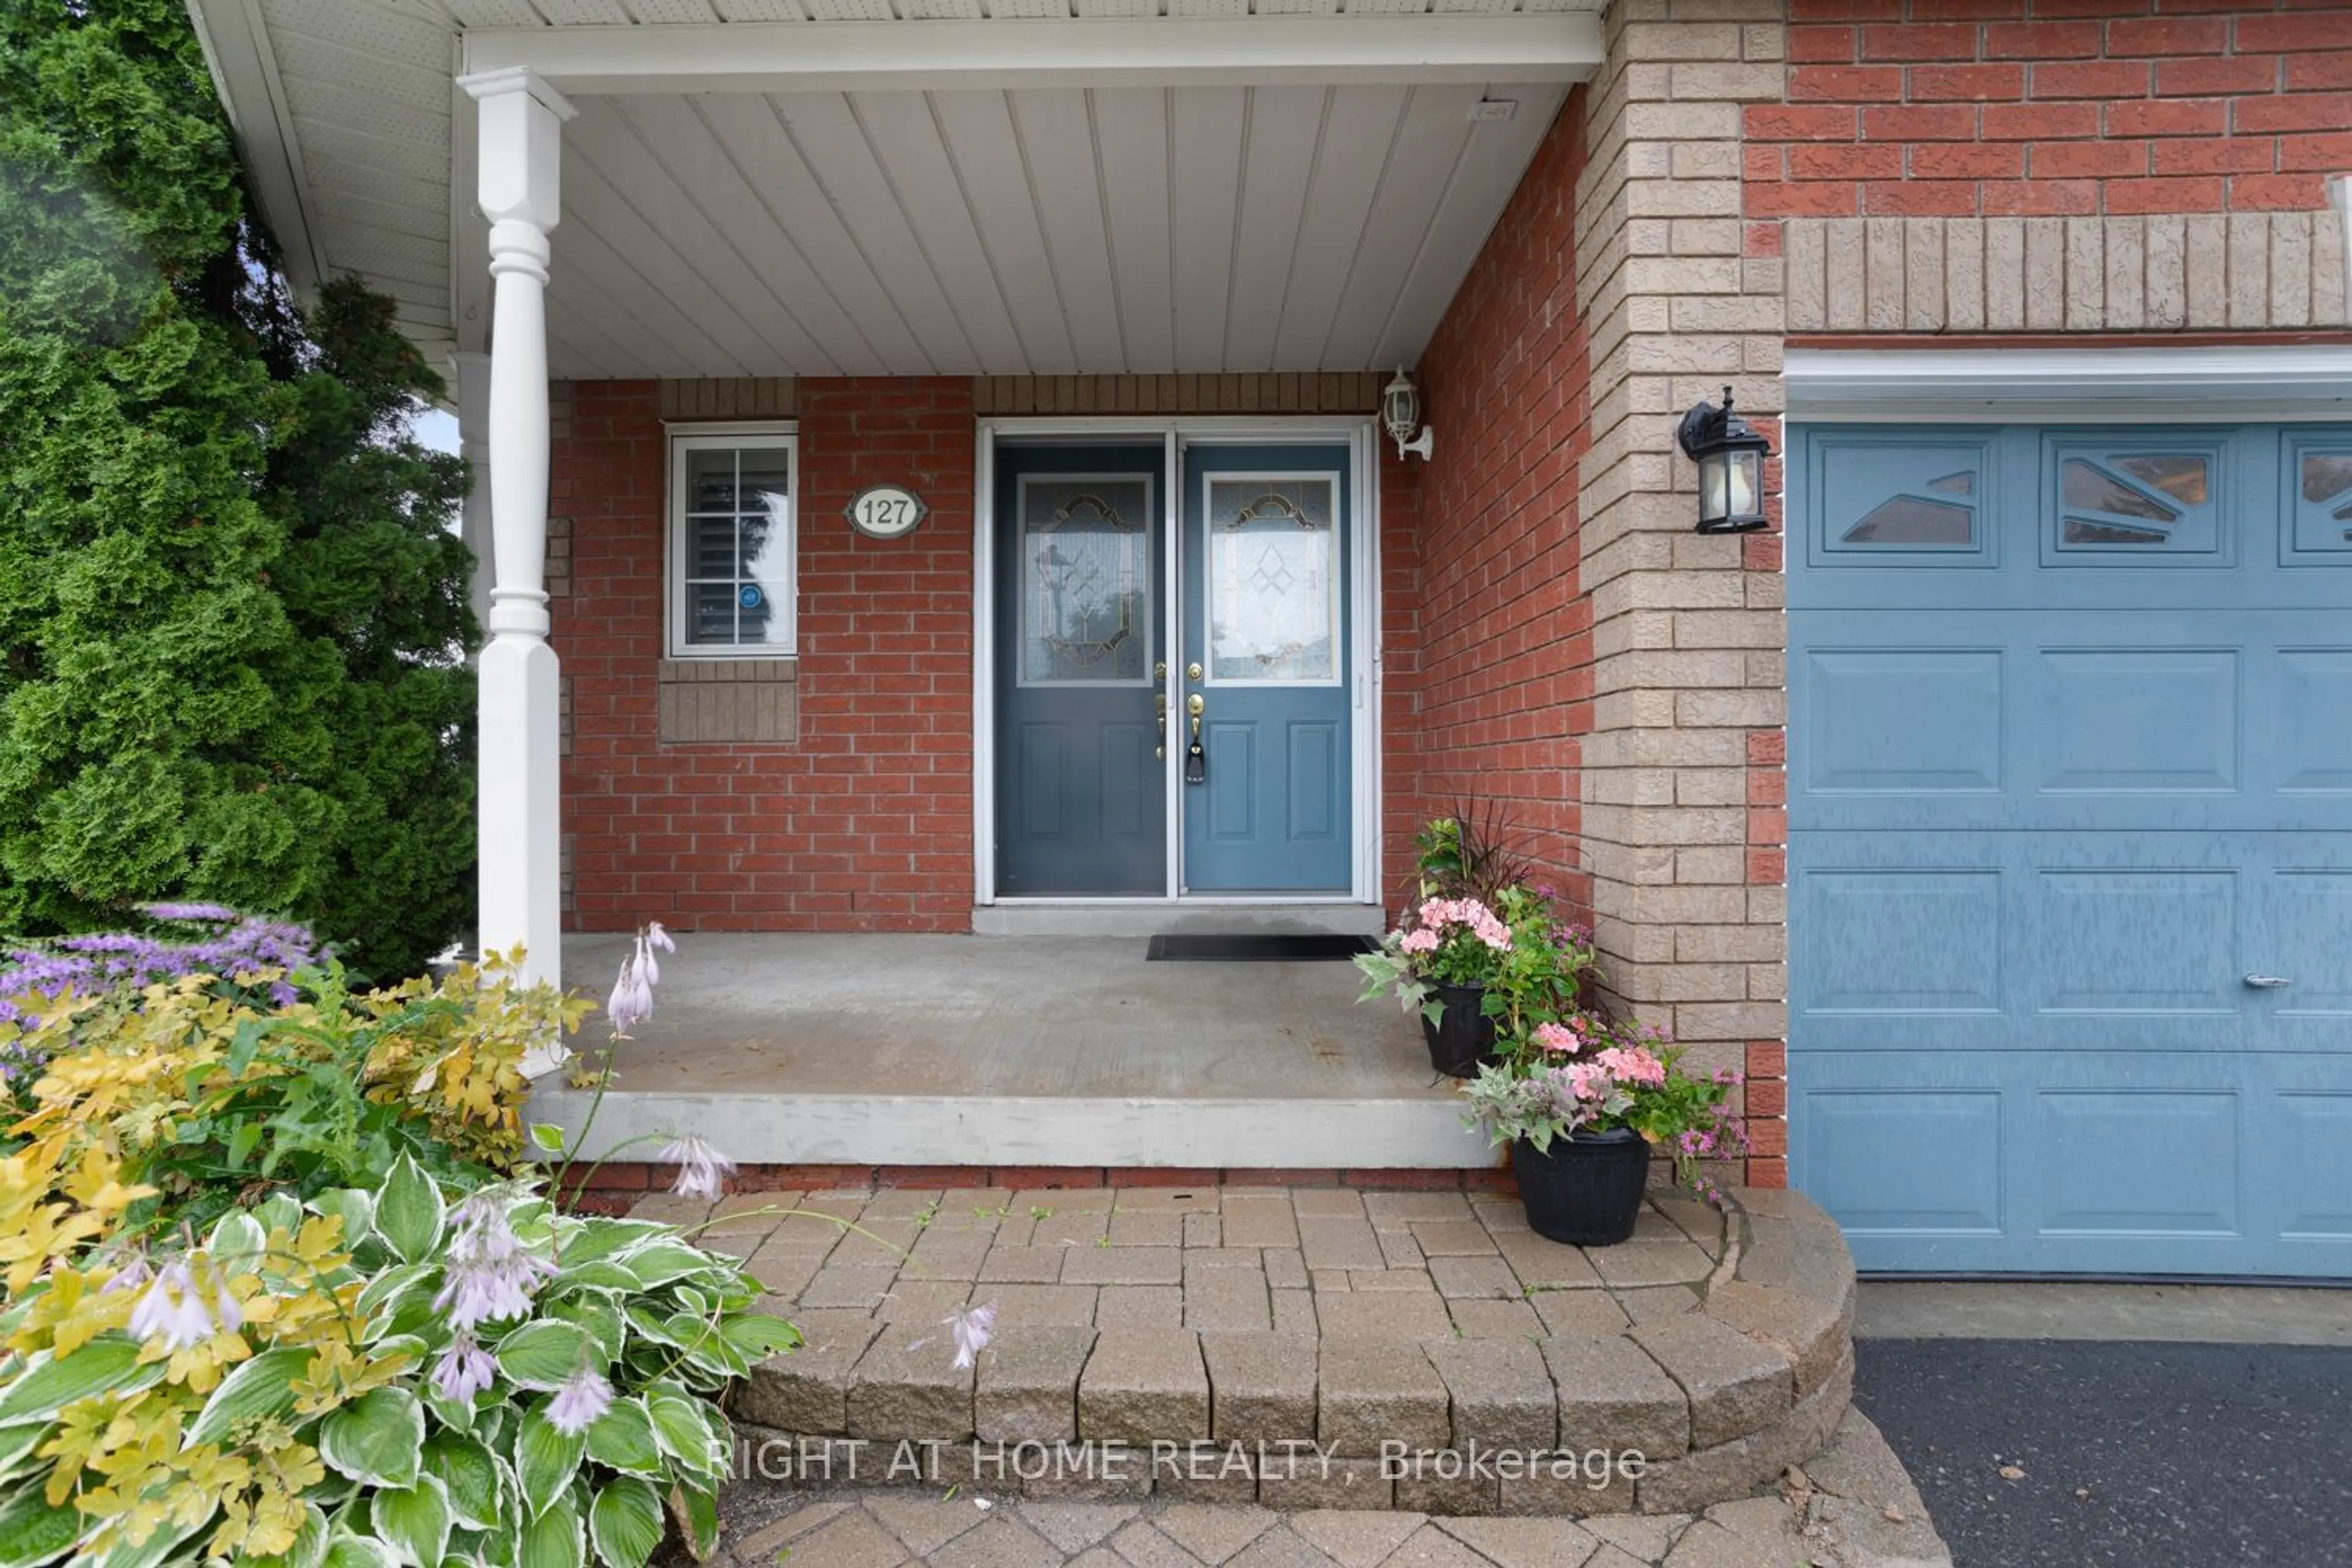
1730	458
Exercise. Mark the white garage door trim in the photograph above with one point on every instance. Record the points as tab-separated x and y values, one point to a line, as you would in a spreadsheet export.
2250	384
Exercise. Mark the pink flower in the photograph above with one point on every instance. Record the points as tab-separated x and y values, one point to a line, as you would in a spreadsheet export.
1633	1064
1588	1080
1422	941
1557	1037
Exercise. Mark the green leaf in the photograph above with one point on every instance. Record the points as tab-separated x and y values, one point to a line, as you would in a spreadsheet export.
17	1446
279	1211
413	1522
601	1322
548	1136
647	1323
32	1532
380	1291
468	1478
555	1539
409	1214
598	1274
582	1241
446	1413
355	1208
107	1364
376	1438
545	1459
623	1438
684	1434
696	1512
664	1259
237	1240
243	1143
357	1552
625	1522
543	1355
756	1336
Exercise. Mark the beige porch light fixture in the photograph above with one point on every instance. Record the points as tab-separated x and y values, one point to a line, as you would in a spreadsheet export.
1401	414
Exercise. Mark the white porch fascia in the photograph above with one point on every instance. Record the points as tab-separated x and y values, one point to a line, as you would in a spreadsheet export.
2248	382
850	56
246	71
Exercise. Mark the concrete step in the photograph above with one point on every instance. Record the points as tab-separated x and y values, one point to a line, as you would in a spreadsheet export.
1299	1348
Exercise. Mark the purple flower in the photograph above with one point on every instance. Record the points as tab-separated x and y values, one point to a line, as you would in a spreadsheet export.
631	1002
130	1276
465	1370
584	1397
659	937
486	1273
208	914
972	1327
100	962
172	1312
702	1170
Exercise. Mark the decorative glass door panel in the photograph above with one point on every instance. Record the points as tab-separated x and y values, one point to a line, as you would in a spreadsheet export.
1266	738
1273	579
1087	574
1081	782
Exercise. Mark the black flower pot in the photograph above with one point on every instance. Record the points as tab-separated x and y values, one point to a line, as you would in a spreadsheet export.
1586	1190
1463	1035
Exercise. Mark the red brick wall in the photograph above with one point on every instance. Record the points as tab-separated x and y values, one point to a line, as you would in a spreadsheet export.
865	823
1502	685
2002	108
1402	809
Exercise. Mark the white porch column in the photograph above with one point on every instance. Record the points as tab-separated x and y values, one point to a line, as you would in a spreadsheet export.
521	120
472	376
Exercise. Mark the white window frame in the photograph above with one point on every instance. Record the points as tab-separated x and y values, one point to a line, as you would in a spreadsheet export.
767	435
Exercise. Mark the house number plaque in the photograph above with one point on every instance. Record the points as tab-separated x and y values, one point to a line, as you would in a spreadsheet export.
887	512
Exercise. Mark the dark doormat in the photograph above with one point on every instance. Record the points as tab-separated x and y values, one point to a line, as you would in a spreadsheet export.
1244	949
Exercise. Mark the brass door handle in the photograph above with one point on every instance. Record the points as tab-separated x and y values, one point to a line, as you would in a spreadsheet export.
1159	717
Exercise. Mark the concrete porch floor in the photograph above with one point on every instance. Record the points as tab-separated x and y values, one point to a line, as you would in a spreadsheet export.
974	1050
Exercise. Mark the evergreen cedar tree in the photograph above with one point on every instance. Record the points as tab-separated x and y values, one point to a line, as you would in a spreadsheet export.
233	616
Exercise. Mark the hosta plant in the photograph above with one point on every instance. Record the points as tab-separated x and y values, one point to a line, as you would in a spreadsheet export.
410	1376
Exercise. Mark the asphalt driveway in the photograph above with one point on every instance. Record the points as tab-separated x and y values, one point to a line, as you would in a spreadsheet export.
2050	1454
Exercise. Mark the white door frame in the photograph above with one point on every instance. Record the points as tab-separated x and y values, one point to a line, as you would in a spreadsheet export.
1360	435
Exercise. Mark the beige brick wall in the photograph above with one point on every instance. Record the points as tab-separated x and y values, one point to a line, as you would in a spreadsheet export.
1687	636
1332	392
2167	272
730	398
738	700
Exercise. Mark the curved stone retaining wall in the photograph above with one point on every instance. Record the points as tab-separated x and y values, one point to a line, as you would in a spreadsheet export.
1309	1348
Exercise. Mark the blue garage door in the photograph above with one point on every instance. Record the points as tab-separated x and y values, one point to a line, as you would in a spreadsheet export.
2070	772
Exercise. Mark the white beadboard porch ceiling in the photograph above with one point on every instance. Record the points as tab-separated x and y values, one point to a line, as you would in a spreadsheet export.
1028	229
1043	232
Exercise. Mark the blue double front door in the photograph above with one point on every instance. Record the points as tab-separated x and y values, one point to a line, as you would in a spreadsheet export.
1198	706
2070	782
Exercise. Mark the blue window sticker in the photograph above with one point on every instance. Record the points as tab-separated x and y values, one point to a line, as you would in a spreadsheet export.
749	596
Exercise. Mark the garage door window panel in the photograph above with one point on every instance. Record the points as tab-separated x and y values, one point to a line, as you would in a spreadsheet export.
1907	503
2319	485
2139	500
